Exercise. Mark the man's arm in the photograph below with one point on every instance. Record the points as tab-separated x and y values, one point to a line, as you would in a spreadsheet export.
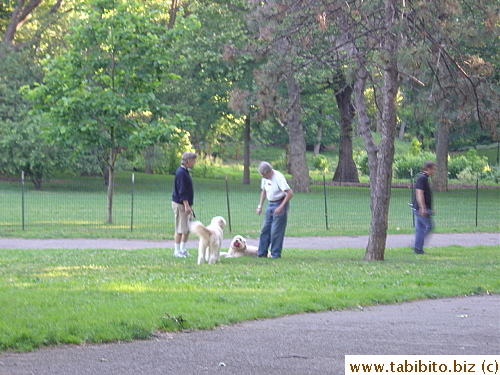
288	196
422	209
261	201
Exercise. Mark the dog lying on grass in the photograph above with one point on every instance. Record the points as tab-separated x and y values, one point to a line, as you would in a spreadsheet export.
210	239
239	248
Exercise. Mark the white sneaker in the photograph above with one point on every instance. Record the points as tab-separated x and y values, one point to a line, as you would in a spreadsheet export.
185	254
179	255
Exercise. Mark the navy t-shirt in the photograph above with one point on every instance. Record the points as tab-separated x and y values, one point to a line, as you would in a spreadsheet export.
423	184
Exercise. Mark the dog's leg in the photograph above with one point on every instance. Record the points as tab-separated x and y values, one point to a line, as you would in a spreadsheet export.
201	251
214	252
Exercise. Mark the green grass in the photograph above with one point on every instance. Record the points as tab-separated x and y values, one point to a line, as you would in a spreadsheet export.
491	152
77	208
55	297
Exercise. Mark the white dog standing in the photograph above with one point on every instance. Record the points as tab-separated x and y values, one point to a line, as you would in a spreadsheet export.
239	248
210	239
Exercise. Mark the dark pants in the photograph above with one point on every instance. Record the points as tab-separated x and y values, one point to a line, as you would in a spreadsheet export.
423	225
273	230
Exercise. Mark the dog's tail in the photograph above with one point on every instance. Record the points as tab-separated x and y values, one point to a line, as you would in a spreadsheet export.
198	228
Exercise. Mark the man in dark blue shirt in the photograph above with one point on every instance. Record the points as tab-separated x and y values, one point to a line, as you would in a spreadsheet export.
182	202
422	206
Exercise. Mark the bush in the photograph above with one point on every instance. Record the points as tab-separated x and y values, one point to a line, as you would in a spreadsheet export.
470	161
405	166
207	166
492	174
415	147
361	160
280	164
320	163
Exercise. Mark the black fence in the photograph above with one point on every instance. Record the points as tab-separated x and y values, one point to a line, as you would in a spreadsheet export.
141	207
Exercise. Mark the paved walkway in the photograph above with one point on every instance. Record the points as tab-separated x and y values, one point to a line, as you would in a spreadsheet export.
304	344
359	242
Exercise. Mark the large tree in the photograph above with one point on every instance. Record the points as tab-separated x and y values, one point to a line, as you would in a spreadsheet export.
102	90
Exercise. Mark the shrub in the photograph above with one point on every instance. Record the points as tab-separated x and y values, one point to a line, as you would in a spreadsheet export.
320	163
405	166
280	164
470	160
492	174
415	147
466	175
207	166
361	160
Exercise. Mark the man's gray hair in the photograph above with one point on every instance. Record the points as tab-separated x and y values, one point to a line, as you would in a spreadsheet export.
188	156
265	167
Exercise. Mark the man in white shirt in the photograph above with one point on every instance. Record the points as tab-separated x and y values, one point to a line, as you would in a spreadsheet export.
278	193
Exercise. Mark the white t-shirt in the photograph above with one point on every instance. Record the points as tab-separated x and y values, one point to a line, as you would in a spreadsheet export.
275	187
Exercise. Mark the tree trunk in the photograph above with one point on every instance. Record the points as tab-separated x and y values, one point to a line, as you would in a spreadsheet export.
111	183
299	170
19	17
378	106
148	160
402	128
381	191
113	153
346	169
440	179
174	8
364	121
37	182
319	137
246	154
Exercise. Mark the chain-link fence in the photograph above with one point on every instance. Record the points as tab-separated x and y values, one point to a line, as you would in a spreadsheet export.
141	206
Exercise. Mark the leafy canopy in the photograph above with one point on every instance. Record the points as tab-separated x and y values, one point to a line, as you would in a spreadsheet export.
103	90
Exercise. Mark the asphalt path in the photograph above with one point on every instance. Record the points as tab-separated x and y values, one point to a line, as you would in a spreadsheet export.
314	343
337	242
302	344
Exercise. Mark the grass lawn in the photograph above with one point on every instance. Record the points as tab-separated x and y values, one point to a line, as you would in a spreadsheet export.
75	296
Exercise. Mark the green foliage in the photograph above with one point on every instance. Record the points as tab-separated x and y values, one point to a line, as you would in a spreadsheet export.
280	163
25	150
102	90
207	166
415	147
23	147
60	296
321	163
361	160
492	174
470	161
406	166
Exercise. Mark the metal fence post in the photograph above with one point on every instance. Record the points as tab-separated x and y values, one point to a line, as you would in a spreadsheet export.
132	205
228	206
22	199
326	206
477	197
412	192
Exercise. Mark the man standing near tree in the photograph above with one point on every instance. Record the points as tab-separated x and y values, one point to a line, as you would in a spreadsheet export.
422	206
278	193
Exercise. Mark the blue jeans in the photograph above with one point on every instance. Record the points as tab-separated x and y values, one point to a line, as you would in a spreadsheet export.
423	225
273	230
